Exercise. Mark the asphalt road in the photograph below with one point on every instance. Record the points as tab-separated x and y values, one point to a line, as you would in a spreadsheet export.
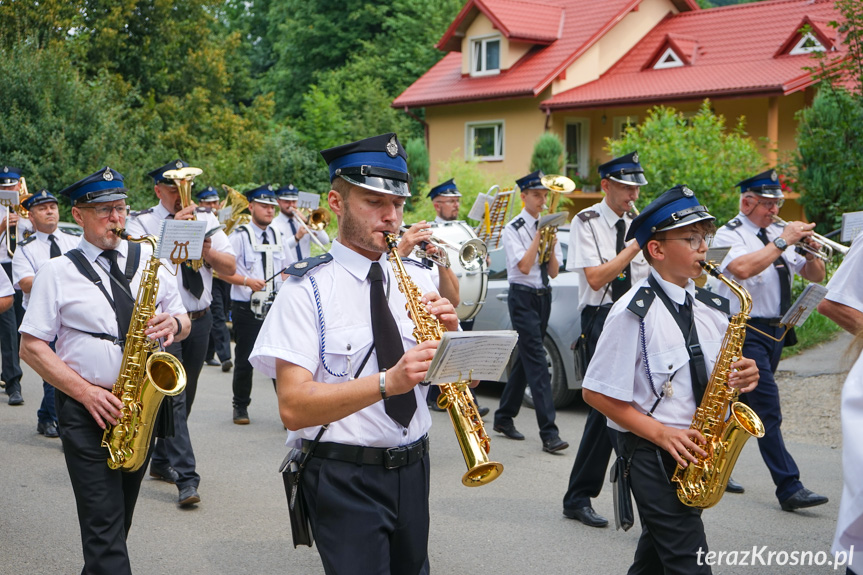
511	526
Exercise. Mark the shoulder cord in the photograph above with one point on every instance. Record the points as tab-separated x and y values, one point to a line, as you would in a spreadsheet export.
659	396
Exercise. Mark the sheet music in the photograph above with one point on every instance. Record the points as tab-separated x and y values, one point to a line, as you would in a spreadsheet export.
485	352
9	197
805	304
310	201
852	225
477	211
717	254
181	240
557	219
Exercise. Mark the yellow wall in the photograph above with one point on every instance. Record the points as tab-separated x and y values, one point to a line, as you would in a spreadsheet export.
510	52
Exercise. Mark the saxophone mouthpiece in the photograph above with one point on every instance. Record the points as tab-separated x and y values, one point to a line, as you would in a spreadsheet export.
391	239
711	268
120	232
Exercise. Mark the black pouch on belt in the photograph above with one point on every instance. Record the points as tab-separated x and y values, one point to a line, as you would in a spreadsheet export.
619	477
292	471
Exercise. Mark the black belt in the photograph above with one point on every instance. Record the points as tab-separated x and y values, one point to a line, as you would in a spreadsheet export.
241	304
193	315
768	321
389	457
534	291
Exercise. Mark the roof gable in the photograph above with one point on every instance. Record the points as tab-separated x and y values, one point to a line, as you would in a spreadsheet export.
677	48
530	21
821	30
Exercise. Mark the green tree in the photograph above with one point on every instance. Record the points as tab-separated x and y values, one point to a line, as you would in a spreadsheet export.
547	154
418	165
698	152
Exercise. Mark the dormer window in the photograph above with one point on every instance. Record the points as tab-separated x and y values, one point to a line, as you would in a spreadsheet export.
669	59
808	43
485	56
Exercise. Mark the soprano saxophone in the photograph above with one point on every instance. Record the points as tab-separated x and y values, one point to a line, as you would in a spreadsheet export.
146	376
454	397
702	484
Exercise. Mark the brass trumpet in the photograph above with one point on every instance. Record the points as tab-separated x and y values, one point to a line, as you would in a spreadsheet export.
827	249
471	253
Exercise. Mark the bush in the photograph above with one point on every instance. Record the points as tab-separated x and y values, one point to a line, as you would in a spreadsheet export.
547	154
698	152
418	166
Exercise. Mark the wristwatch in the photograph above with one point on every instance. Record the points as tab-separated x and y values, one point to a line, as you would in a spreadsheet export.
780	243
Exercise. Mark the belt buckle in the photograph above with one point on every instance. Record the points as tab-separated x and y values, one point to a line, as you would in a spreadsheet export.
395	457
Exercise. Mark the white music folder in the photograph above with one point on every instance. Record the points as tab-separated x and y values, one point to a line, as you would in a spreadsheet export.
480	355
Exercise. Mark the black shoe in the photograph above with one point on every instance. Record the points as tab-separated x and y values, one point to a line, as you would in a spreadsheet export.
587	516
510	431
48	429
554	445
15	398
802	499
227	365
241	415
482	410
166	474
188	496
733	486
213	362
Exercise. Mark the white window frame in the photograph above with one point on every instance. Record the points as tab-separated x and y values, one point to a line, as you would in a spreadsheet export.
470	138
620	122
583	166
675	62
802	48
480	43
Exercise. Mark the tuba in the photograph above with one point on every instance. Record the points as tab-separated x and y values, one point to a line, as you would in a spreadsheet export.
238	205
702	484
146	376
183	178
454	397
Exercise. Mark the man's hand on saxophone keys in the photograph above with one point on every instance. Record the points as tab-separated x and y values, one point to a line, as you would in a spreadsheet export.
103	405
164	325
744	375
681	443
442	309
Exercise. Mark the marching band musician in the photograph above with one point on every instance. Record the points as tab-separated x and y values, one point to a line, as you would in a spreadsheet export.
529	304
31	254
607	267
89	317
367	483
298	242
10	320
763	260
446	200
648	385
173	459
260	259
220	336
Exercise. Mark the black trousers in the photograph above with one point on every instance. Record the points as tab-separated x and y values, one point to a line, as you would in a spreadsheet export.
246	329
177	451
220	336
10	321
369	520
529	313
105	498
591	462
764	400
672	534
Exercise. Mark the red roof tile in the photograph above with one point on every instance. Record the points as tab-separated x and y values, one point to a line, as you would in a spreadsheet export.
583	22
736	55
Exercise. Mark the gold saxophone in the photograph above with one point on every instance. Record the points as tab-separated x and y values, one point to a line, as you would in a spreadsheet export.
702	484
146	376
454	397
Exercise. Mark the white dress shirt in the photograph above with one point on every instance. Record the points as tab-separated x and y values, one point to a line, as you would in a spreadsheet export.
31	255
65	304
283	224
618	370
149	221
6	288
846	285
250	263
344	294
516	239
593	243
764	287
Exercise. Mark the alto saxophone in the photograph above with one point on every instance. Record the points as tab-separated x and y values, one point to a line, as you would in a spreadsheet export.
146	376
454	397
702	484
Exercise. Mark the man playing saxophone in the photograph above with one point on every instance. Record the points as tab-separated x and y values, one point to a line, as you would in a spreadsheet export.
649	370
85	300
349	359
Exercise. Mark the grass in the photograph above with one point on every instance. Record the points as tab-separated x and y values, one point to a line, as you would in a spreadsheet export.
816	330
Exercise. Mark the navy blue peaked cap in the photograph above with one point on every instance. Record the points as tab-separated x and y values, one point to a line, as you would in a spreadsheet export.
106	185
208	194
289	192
532	180
625	170
43	196
764	184
9	176
379	163
446	189
675	208
158	174
263	194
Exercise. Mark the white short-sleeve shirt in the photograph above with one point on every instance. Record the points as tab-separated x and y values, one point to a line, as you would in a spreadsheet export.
517	236
32	253
250	263
283	224
846	285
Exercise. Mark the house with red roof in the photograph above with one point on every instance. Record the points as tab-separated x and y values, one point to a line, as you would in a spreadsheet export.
584	69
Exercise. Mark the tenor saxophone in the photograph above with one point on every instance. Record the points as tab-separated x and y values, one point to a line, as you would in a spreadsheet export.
702	484
146	376
454	397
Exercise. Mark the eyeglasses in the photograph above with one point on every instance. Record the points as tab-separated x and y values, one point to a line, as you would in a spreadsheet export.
771	203
694	240
106	211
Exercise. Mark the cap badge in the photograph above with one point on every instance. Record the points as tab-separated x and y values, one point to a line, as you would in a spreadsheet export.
44	194
5	169
774	176
687	192
635	157
301	265
179	164
392	147
107	175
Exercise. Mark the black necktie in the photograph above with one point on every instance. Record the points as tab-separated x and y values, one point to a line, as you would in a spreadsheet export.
388	346
620	285
121	292
294	231
784	276
55	249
